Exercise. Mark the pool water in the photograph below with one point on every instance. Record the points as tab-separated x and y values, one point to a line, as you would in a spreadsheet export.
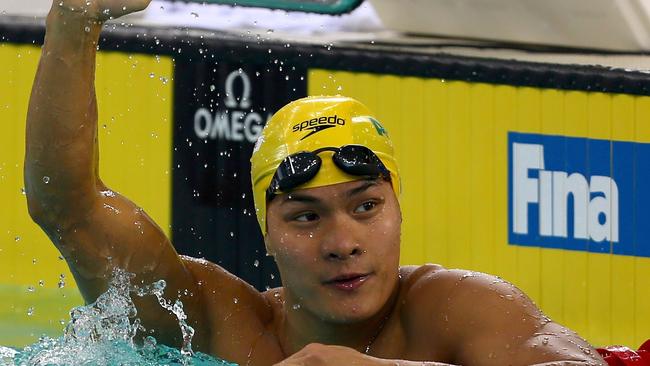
103	333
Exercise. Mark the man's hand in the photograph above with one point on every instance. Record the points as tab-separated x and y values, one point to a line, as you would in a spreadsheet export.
316	354
99	10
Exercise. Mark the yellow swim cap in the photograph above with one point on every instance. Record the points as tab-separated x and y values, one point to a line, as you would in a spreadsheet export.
311	123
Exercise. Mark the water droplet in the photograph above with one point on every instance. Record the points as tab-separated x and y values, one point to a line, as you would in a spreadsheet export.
272	275
87	29
17	238
112	209
196	15
33	260
30	311
256	263
107	193
213	88
295	306
545	341
232	235
269	31
61	283
46	179
235	300
152	75
41	283
22	190
30	289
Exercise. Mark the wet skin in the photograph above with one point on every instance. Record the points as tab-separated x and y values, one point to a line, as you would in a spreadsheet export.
337	248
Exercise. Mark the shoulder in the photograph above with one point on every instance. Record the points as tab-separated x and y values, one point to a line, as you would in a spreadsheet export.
458	290
457	305
424	297
434	286
473	314
428	283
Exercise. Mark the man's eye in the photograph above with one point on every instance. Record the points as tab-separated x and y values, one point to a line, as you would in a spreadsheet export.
365	207
306	217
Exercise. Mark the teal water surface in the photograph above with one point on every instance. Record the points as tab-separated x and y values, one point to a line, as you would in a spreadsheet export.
103	333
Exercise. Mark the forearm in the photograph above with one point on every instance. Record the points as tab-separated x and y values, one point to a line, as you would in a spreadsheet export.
570	363
414	363
61	156
428	363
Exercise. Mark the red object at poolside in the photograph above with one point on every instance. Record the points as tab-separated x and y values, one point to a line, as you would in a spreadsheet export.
624	356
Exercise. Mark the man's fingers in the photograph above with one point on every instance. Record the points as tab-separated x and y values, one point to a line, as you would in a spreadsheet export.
139	5
102	9
127	7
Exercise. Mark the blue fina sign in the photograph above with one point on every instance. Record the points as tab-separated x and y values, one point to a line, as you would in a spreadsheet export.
578	194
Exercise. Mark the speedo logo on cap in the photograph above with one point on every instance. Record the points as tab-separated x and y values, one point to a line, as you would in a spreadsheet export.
315	125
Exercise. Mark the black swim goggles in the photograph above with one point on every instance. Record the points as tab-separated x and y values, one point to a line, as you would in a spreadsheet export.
303	166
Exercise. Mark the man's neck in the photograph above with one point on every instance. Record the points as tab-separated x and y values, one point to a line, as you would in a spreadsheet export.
299	327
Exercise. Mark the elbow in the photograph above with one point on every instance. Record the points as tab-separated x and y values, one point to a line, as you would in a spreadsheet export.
37	210
57	213
50	205
36	197
42	208
53	220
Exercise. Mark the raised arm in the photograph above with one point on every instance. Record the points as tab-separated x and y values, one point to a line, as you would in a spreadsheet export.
93	227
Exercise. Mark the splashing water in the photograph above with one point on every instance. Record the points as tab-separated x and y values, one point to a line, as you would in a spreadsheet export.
103	333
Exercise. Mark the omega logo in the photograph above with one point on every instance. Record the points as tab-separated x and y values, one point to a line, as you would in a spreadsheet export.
237	122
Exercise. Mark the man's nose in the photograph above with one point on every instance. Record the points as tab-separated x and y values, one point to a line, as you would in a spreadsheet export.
341	242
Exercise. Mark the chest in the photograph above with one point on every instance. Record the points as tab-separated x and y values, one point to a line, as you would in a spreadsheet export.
401	342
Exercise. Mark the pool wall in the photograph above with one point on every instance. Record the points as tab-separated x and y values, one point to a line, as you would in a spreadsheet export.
179	110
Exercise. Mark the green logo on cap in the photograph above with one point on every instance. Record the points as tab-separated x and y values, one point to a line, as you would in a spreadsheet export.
380	129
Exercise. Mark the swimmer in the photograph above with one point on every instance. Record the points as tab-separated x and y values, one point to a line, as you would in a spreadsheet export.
327	203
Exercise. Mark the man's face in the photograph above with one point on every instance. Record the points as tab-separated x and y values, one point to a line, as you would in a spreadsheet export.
337	247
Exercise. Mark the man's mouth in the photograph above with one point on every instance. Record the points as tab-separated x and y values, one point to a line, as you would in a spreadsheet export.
348	281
